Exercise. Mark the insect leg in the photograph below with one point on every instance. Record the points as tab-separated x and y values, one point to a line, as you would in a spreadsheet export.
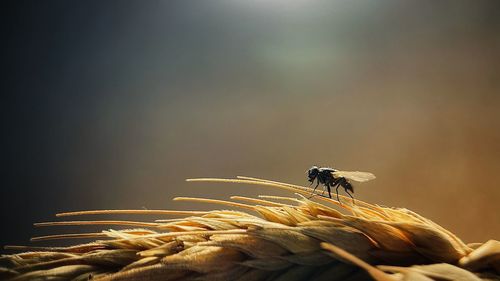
316	184
329	191
314	190
337	191
350	195
312	195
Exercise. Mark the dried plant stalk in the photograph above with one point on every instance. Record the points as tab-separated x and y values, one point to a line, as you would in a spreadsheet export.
285	239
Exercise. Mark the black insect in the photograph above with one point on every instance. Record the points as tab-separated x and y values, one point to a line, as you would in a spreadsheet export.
334	178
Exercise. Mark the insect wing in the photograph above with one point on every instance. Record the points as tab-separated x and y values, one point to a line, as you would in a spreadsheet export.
355	176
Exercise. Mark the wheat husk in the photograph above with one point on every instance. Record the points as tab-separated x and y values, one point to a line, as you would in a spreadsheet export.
273	238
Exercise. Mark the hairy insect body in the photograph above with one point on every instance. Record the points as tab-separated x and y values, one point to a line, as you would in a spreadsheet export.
329	178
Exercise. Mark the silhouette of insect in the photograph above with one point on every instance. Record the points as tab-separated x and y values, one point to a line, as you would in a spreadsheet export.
334	178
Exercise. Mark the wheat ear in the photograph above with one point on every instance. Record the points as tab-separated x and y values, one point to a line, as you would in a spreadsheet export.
273	238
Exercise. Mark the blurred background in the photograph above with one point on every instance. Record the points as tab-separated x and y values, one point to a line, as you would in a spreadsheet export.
113	104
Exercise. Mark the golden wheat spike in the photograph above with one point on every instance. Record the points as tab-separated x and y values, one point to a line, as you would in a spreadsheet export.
101	222
304	240
259	201
130	212
68	236
215	201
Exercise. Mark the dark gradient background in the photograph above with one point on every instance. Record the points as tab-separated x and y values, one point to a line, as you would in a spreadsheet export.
113	104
